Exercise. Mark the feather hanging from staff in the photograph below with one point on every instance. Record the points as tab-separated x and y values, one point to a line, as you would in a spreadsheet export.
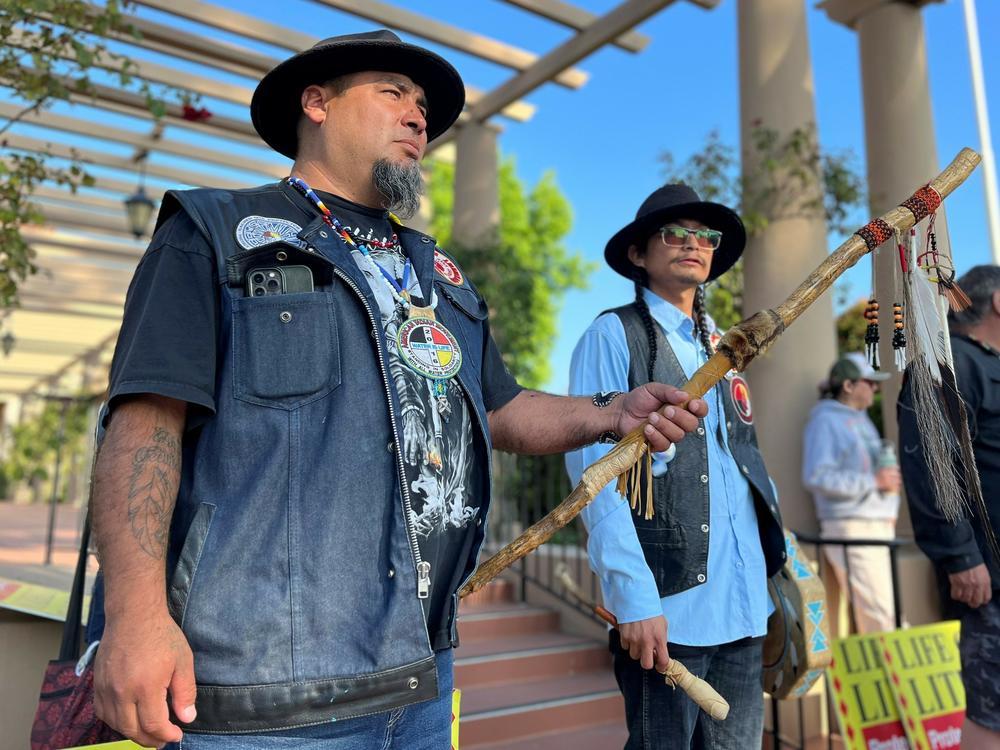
940	411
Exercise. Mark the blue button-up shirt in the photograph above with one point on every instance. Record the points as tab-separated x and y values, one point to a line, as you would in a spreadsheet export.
733	603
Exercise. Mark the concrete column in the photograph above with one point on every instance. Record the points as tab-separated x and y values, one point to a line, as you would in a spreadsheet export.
477	190
899	141
776	92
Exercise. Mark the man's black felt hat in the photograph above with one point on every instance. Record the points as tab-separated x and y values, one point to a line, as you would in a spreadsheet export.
670	203
276	105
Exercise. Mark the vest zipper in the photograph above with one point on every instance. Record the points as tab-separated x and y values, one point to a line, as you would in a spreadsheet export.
422	567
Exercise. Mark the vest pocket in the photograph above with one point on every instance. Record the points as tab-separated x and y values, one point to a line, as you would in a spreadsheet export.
286	351
187	563
667	554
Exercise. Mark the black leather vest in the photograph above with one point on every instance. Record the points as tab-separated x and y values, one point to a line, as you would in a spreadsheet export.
675	540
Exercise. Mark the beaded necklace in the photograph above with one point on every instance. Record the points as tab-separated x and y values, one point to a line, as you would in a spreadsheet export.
400	290
400	293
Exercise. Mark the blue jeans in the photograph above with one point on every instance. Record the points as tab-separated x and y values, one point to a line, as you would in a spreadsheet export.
662	718
421	726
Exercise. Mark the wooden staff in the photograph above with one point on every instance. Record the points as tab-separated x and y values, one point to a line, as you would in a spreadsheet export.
737	349
676	674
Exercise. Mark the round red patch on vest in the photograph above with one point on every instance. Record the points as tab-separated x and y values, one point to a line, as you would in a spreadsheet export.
447	269
739	391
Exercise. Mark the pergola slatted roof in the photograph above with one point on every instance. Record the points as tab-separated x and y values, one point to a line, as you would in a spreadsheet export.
71	311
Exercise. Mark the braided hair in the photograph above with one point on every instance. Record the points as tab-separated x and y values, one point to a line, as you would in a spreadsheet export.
700	319
647	319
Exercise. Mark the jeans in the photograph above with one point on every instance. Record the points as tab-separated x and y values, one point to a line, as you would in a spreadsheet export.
662	718
980	650
421	726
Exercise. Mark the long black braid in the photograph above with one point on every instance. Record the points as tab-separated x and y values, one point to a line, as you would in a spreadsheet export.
647	318
701	321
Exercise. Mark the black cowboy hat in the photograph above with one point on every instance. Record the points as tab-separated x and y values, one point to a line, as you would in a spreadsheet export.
275	108
669	203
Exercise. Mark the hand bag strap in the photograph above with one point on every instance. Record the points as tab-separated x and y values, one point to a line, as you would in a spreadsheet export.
70	647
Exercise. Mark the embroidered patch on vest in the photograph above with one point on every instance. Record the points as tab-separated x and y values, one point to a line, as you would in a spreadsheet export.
254	231
447	269
739	392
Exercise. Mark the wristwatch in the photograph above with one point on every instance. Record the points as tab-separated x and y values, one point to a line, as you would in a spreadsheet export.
602	399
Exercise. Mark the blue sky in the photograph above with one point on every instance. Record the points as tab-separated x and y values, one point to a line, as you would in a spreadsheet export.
603	140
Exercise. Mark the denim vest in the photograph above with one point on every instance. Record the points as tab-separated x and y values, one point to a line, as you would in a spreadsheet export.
292	559
674	545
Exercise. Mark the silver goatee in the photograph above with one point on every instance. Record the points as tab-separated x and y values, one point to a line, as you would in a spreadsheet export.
400	186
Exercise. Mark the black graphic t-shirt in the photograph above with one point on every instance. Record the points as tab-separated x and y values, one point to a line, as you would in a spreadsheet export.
168	346
439	466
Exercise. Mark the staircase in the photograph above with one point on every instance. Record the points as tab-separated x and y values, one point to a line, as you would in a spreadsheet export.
526	685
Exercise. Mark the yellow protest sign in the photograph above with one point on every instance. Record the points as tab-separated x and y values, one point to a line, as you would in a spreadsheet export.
866	707
925	672
32	599
120	745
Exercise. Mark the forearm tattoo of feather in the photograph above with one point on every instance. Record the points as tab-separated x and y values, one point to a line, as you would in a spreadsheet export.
152	492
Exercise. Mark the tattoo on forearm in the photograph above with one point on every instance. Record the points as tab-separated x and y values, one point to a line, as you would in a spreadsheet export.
152	492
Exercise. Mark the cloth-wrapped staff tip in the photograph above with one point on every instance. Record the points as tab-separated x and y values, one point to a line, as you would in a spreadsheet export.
676	674
737	349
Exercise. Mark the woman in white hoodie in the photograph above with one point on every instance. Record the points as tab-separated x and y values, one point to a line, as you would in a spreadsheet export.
856	493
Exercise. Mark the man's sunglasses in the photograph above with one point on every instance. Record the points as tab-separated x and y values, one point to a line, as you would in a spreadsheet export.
675	236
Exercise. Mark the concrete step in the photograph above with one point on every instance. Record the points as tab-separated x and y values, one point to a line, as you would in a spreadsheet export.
525	658
503	620
522	709
607	736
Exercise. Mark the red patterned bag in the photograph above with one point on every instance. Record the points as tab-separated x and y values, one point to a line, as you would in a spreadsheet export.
65	715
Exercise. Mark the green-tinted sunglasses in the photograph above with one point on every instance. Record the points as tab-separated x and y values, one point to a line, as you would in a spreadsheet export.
676	235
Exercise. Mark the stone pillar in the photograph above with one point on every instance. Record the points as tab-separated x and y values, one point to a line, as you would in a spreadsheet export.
776	92
477	189
899	141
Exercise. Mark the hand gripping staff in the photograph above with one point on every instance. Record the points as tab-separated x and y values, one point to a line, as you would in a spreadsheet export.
677	674
737	349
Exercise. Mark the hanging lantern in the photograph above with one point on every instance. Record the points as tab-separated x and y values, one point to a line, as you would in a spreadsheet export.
139	208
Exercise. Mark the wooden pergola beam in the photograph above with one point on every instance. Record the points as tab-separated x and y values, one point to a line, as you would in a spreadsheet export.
72	244
156	73
422	26
451	36
235	22
89	196
90	220
49	307
91	129
99	158
578	19
600	32
134	105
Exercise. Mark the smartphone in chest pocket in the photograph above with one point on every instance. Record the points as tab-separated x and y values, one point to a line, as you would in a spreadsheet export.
265	281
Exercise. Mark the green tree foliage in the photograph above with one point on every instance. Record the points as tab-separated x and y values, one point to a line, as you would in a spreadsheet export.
787	167
35	441
526	273
50	48
851	326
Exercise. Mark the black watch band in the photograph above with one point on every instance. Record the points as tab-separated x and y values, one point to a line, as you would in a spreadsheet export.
610	437
602	399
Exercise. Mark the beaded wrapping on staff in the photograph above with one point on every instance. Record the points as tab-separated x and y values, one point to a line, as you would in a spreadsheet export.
922	203
875	232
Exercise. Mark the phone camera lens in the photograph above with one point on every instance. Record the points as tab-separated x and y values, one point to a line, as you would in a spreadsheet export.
258	291
272	284
258	278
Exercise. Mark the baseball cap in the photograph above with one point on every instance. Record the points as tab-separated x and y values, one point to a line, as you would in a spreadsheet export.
854	366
